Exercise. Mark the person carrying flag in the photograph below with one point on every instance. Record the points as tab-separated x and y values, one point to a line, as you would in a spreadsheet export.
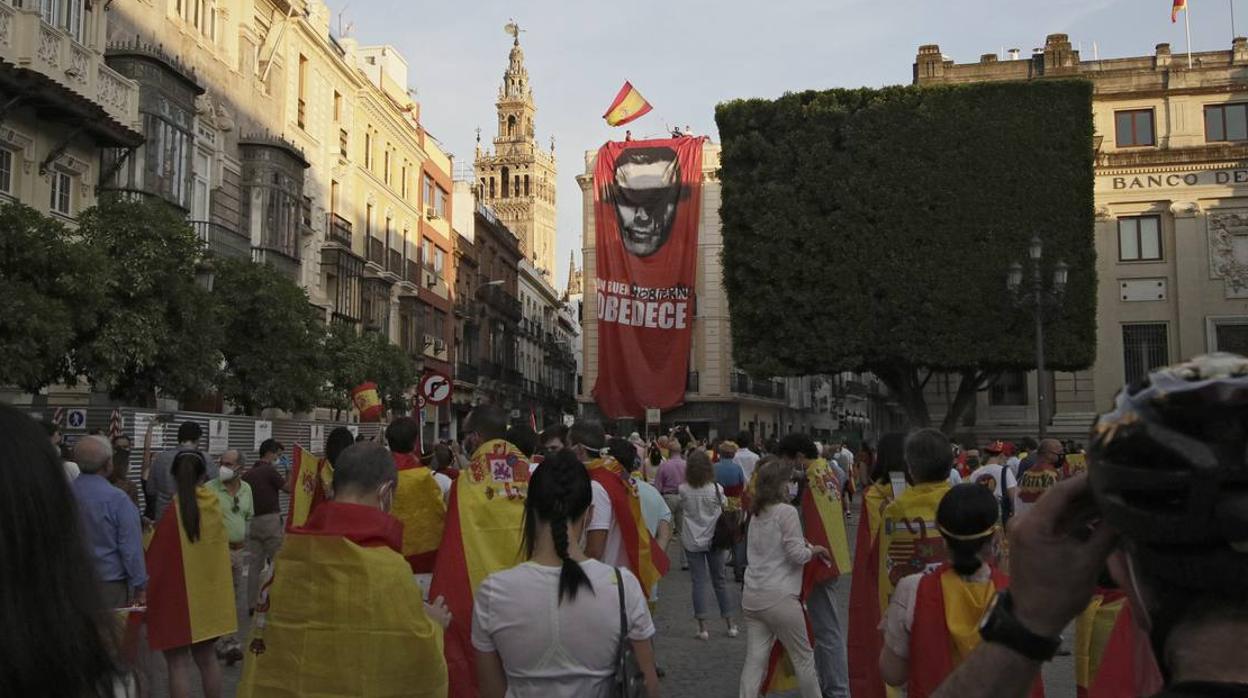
190	592
484	527
865	611
418	501
321	629
932	622
617	533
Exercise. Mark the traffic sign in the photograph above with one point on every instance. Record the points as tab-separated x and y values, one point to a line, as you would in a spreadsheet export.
435	387
76	418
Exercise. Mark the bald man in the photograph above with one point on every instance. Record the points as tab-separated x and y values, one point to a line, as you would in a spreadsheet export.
111	523
1041	476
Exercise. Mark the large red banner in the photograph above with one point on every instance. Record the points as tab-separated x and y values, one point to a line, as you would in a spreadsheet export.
647	205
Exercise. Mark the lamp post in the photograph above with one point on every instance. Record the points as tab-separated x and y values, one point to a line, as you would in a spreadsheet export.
1041	300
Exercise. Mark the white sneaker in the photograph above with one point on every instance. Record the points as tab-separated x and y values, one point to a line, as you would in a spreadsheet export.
734	631
703	635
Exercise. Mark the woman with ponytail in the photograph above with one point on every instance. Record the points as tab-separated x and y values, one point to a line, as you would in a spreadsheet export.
932	622
551	626
191	593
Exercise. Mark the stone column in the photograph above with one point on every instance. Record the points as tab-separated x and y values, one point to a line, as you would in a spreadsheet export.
1188	257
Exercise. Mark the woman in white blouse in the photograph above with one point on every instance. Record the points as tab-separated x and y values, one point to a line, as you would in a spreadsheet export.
550	627
702	501
777	552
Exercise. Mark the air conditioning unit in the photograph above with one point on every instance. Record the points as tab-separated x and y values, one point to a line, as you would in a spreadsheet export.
430	213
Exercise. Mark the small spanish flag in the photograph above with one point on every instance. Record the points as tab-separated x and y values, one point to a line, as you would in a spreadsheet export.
630	105
312	477
1174	11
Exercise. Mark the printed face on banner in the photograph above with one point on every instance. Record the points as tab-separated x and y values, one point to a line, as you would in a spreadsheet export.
646	192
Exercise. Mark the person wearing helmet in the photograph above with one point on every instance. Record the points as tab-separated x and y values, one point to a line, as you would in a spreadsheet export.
1165	502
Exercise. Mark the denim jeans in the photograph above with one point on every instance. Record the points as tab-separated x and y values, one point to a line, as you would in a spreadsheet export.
707	570
831	661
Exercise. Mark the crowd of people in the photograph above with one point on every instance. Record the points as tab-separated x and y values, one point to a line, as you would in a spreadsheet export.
521	563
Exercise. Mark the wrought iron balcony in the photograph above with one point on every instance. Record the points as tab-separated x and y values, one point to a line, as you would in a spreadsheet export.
466	372
338	229
222	240
376	251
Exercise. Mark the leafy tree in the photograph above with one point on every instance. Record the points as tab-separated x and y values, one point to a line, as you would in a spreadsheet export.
49	295
353	358
871	230
274	338
156	333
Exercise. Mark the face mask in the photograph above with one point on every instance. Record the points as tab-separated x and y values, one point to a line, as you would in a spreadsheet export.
792	490
973	461
227	473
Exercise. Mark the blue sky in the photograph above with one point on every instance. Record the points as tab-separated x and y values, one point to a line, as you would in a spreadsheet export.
685	56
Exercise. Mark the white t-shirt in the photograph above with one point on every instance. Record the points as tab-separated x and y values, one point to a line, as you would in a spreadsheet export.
554	650
444	482
701	507
604	520
748	460
991	476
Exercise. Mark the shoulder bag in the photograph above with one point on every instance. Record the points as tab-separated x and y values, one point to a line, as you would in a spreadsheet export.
628	681
727	526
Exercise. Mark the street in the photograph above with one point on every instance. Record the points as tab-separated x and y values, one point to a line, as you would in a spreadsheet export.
694	667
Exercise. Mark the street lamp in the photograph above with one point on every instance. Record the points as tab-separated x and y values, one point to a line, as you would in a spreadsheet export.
1041	300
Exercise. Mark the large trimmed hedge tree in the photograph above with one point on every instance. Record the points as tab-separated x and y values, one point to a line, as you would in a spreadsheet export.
872	230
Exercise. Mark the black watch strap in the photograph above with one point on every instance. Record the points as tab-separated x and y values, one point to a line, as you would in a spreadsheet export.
1000	626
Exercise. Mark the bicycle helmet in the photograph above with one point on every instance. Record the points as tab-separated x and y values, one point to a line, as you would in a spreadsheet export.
1169	469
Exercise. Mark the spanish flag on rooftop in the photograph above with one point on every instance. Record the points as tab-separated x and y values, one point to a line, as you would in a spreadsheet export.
1174	10
630	105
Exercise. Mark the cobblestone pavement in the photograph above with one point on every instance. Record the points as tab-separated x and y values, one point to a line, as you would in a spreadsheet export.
696	668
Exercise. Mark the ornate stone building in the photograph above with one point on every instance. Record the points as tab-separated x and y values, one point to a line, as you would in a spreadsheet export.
1171	236
517	177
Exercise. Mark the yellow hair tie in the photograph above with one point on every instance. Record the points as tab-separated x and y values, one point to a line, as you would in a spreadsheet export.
974	536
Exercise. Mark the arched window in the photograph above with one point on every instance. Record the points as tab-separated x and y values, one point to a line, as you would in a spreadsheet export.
506	183
517	185
491	187
484	186
526	185
511	125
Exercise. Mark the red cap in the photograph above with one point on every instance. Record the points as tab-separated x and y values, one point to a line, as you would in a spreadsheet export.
996	447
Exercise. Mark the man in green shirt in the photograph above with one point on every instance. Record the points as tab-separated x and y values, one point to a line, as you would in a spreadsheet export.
237	510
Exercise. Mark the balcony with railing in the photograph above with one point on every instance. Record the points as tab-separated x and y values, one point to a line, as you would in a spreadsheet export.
489	369
502	301
395	263
222	240
513	377
742	384
466	372
376	252
465	309
338	229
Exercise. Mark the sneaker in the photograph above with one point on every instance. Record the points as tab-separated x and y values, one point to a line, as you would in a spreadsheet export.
734	631
233	656
703	635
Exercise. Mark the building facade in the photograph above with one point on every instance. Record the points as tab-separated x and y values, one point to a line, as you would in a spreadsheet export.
292	147
545	351
61	106
516	178
1171	236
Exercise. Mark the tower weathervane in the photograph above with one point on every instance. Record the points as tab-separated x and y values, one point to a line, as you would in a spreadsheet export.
513	29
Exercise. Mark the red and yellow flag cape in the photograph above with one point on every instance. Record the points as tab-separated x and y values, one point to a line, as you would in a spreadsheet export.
1126	667
865	641
418	504
823	521
947	611
484	531
311	478
344	617
909	541
645	558
190	593
1092	630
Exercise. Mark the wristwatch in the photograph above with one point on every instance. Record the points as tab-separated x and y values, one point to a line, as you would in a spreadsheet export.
1000	626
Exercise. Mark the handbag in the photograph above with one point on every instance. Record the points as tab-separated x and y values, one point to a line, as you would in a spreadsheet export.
727	526
628	681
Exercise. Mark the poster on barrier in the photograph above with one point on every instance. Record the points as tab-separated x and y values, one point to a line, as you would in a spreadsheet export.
142	420
218	436
316	439
264	431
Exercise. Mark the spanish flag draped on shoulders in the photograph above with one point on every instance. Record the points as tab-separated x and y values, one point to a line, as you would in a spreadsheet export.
647	561
190	593
418	504
864	640
483	535
947	612
1113	658
909	540
342	616
823	521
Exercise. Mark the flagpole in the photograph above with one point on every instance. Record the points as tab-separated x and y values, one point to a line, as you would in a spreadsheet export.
1187	22
1231	4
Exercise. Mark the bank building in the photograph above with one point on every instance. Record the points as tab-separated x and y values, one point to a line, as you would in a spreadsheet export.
1171	196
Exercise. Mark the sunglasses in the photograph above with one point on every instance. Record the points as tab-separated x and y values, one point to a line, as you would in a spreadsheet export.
236	508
